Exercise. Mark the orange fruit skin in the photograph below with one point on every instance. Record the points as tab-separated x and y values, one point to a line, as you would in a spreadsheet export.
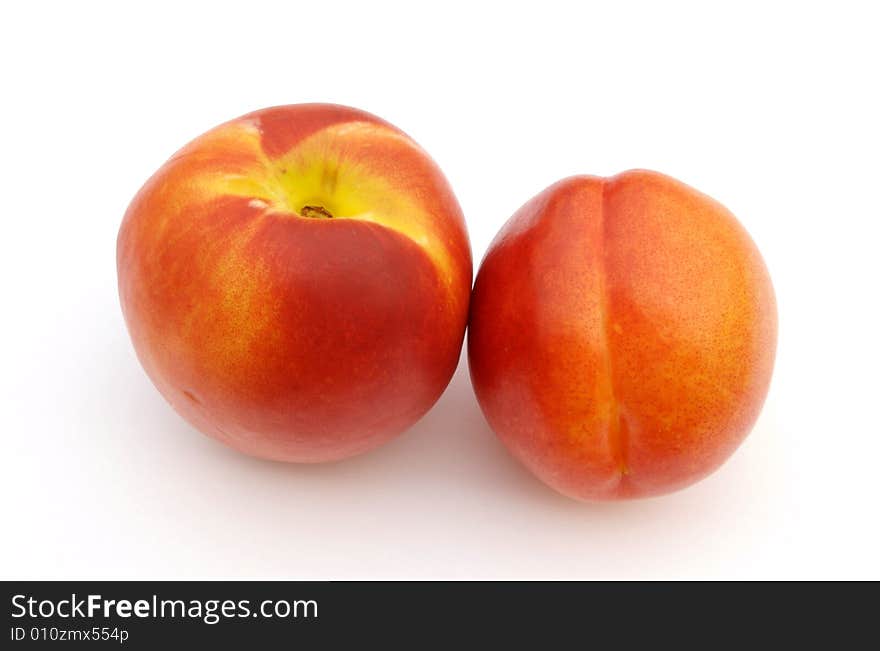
622	335
290	337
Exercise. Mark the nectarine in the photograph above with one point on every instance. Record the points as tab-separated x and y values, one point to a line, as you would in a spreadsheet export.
296	282
622	335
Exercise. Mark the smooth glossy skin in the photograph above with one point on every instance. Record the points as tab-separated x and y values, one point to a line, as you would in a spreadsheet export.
622	335
296	282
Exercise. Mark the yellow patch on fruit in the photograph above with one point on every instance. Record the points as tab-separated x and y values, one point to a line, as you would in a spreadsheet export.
328	176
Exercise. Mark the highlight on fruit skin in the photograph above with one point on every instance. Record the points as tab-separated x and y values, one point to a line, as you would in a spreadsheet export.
296	282
622	335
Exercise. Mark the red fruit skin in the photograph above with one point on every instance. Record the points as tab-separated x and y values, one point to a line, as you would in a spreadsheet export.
622	335
289	337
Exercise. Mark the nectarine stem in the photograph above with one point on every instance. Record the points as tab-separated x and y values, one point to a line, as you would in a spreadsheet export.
316	212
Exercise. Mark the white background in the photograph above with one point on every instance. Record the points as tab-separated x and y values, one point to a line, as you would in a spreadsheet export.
772	108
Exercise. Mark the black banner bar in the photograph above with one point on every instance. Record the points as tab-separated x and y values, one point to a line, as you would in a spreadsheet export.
416	614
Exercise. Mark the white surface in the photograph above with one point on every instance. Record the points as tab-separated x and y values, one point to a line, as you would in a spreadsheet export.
772	109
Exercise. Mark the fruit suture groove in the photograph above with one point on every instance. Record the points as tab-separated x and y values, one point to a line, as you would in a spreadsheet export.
617	431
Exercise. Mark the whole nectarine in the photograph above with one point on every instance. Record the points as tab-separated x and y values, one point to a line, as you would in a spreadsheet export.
296	282
622	335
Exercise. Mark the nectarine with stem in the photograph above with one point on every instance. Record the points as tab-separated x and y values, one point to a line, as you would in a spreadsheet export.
296	282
